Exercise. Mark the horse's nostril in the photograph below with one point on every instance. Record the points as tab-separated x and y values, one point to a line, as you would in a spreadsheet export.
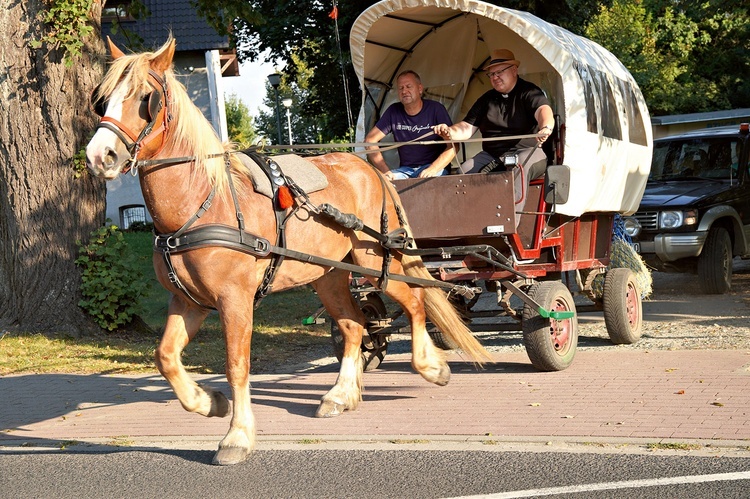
110	158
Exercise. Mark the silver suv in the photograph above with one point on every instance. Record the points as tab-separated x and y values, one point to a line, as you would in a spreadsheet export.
695	211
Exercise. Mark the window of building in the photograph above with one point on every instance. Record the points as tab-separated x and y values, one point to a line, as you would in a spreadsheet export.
117	11
130	214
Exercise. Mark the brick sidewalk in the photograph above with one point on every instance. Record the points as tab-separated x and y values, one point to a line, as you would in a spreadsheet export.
609	395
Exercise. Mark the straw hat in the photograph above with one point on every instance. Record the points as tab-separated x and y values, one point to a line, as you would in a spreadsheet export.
502	56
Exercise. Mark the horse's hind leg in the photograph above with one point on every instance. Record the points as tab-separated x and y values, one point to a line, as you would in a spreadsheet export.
183	322
333	291
426	359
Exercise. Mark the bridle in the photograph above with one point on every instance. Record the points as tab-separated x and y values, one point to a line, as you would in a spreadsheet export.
158	101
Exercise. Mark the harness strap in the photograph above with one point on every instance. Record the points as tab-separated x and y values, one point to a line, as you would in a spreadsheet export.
118	129
172	274
229	237
273	172
213	235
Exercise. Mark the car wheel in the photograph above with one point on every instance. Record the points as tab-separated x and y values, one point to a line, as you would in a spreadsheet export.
715	262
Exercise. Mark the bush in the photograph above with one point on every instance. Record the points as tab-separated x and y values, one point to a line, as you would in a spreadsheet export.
111	285
141	227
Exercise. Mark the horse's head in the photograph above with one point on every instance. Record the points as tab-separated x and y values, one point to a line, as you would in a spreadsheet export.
133	101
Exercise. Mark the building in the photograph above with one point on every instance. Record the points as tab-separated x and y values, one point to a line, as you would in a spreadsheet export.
202	59
664	126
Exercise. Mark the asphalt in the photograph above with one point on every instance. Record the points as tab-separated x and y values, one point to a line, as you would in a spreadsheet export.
607	397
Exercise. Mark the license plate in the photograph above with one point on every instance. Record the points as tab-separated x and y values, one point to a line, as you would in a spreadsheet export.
636	247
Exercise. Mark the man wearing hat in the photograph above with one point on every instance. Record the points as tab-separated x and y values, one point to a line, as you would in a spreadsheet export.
513	107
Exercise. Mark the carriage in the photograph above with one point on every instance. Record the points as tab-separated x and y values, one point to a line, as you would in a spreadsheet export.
463	225
226	220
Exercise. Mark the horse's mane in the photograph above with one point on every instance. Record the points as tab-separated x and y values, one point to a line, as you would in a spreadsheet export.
191	133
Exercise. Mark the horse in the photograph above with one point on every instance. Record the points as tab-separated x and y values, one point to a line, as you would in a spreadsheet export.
190	178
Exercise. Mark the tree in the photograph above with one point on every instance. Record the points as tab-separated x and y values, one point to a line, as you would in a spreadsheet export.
308	29
239	122
45	205
687	56
306	125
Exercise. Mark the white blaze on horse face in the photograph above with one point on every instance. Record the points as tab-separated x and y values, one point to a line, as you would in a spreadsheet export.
105	153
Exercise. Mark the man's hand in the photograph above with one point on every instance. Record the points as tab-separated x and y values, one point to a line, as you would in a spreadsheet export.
543	134
432	171
443	130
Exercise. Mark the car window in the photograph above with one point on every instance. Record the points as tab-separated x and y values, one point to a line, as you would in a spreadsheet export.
709	158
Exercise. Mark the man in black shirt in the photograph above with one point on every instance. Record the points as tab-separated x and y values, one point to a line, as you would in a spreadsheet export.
513	107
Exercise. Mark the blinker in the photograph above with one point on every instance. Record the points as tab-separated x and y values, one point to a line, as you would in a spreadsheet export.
99	104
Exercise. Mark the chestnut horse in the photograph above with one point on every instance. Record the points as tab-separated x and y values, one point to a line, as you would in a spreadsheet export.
147	113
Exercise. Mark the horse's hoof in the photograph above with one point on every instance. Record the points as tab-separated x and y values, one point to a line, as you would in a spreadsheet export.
329	409
227	456
219	405
444	376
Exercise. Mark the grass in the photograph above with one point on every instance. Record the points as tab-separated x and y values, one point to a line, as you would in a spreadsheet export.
278	335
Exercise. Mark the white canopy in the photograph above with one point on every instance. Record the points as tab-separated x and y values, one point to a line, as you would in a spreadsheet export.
606	129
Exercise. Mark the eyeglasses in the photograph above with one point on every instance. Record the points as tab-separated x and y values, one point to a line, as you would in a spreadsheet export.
498	73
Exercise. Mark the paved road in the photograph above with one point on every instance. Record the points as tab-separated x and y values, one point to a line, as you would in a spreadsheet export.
610	396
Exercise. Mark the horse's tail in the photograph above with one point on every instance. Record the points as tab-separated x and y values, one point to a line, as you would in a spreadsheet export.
444	315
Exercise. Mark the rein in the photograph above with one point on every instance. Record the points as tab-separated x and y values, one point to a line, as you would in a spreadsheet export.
387	146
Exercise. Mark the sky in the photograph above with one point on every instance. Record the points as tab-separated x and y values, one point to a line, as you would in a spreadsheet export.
250	85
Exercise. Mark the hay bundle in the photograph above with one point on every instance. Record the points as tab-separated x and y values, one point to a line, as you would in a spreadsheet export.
624	256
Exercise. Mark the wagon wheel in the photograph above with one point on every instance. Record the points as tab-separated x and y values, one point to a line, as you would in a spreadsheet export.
439	340
623	311
550	343
374	346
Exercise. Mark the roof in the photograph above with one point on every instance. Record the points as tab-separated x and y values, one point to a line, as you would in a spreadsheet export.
719	131
179	17
695	117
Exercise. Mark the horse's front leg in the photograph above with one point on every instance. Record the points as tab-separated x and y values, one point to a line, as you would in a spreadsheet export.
182	325
333	291
237	324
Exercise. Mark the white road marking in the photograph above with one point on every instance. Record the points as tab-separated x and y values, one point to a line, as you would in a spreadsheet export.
629	484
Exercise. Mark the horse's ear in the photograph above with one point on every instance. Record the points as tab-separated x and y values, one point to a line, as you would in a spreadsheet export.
116	53
163	60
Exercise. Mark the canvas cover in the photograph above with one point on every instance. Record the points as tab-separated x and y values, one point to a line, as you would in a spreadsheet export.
607	137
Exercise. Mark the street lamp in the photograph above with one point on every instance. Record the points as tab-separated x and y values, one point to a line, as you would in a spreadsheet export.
288	104
275	80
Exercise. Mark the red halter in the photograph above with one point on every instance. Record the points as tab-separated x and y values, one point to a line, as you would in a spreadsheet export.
159	100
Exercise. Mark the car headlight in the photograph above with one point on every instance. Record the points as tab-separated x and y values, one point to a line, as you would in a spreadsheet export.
632	226
675	219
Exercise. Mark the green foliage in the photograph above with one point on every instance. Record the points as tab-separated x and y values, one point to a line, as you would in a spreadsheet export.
139	226
239	122
302	29
78	163
68	23
687	56
310	125
111	286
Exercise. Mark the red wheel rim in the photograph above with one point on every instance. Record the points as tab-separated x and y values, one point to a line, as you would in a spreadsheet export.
631	305
560	331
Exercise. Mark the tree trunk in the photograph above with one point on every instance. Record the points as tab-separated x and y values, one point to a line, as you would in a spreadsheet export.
45	119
